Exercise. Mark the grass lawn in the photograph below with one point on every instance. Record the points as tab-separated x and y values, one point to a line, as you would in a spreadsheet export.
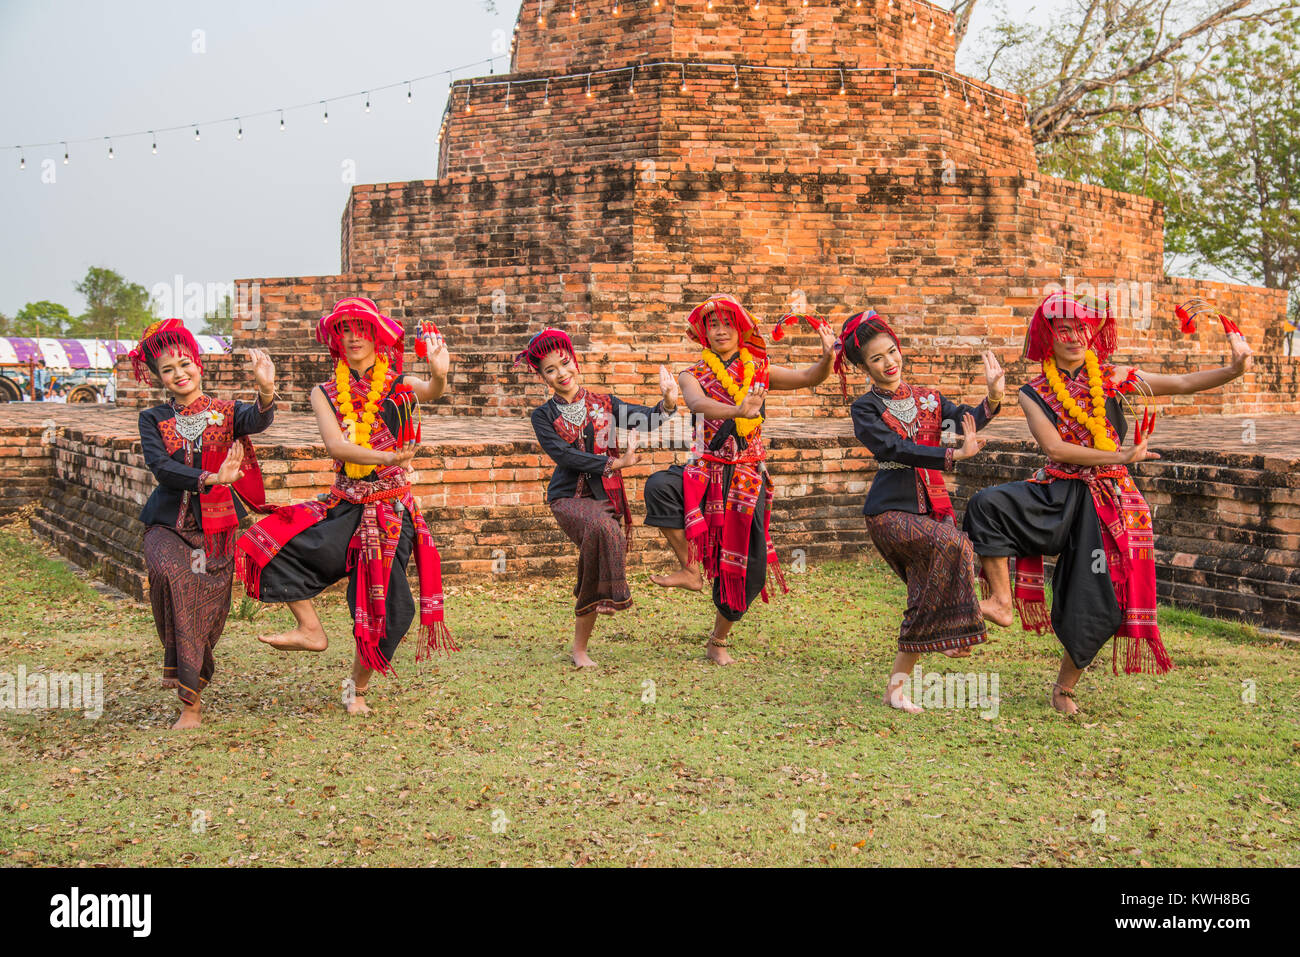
504	754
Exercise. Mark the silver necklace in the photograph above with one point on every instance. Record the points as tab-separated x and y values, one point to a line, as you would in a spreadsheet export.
903	409
575	413
191	426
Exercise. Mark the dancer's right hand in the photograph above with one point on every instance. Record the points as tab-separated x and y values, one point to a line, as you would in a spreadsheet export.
628	458
752	405
230	471
972	441
1137	453
402	457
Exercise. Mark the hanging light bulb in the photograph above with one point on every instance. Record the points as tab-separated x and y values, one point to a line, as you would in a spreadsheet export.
110	147
616	9
735	84
154	138
787	82
589	86
683	77
894	92
546	100
631	83
282	121
22	160
573	9
367	102
408	91
841	81
469	93
945	87
196	134
239	134
326	117
65	154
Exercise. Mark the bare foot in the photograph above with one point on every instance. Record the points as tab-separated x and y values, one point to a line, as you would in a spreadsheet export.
171	683
298	639
901	702
998	612
189	719
688	578
581	659
358	704
1063	700
958	653
717	654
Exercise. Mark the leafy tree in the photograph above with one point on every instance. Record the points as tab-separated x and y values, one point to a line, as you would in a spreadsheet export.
221	321
113	305
44	319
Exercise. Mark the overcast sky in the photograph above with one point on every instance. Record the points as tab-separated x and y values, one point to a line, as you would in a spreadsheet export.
220	208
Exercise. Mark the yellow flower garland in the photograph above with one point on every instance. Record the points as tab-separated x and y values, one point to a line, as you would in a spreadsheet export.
737	392
358	432
1094	422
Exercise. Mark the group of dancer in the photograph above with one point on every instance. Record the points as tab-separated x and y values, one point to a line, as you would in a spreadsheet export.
714	511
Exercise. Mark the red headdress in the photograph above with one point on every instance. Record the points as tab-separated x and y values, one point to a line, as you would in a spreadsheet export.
542	345
158	337
1061	305
857	332
362	317
745	324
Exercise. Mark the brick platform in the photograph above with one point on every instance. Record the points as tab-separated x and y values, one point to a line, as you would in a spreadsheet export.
1227	512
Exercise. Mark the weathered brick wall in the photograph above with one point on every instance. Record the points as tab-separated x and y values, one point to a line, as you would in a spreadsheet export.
1227	525
25	466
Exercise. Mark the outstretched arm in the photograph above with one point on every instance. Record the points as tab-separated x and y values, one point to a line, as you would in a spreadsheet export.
1190	382
785	379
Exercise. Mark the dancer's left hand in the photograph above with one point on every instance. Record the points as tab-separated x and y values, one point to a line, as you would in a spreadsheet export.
1241	354
829	339
438	357
263	369
994	377
671	392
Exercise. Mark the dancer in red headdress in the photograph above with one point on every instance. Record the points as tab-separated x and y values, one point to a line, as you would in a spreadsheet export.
367	526
909	516
197	448
578	429
715	512
1082	506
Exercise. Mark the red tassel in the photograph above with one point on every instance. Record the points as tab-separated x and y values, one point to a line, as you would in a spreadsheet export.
435	638
1034	615
733	591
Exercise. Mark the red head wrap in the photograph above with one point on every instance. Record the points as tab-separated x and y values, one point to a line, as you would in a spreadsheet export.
727	307
857	332
157	338
542	345
362	317
1061	305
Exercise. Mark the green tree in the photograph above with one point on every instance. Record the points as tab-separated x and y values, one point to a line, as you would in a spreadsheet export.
114	306
44	319
221	321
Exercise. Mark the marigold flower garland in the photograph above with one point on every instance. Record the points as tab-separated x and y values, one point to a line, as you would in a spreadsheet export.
737	392
1094	422
358	432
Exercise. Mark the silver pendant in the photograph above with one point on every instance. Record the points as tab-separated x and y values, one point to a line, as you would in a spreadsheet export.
575	414
190	427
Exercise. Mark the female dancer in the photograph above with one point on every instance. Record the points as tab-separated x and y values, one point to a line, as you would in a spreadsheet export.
1083	506
578	430
909	516
716	510
367	526
197	448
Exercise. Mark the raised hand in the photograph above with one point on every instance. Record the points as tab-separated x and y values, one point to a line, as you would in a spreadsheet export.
672	393
752	405
230	467
994	377
1241	354
263	370
972	442
436	353
829	339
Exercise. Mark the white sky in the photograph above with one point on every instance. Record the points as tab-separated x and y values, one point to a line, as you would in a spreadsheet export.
217	209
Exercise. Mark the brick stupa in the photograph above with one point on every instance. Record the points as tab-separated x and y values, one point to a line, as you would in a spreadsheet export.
632	164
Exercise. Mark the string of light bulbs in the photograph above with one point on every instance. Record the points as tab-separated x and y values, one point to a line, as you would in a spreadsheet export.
616	5
238	121
948	81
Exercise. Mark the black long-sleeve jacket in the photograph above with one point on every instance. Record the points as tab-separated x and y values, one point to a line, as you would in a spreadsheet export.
572	461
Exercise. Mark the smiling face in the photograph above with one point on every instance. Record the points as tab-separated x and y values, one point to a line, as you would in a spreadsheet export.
560	373
180	374
884	362
358	350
